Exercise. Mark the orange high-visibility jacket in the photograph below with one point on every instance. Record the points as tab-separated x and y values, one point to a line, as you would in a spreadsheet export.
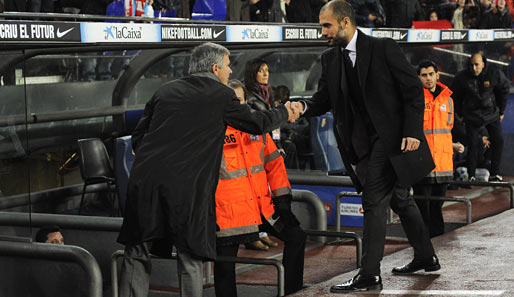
437	125
251	166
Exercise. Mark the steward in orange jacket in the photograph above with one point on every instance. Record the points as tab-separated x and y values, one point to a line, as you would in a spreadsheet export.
437	126
254	189
249	164
251	168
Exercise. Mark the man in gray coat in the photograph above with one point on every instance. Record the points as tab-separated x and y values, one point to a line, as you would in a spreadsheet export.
178	144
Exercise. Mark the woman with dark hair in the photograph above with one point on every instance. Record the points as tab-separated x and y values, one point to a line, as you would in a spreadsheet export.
256	79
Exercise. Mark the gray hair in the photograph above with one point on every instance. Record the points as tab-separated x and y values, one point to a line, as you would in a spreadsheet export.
205	55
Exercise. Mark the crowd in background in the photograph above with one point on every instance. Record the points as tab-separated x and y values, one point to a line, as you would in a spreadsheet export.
458	14
293	140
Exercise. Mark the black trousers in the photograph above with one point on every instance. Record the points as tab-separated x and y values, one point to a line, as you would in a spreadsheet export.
293	259
381	190
476	146
431	210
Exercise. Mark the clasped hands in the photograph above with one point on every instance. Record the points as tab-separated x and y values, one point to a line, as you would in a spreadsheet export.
294	110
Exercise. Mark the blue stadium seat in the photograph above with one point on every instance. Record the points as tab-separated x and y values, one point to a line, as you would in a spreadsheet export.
324	144
122	165
132	118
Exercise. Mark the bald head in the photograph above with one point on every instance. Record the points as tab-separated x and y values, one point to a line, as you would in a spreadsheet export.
477	64
339	10
337	21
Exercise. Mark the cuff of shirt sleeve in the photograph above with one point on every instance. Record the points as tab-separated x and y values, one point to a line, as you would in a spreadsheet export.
304	106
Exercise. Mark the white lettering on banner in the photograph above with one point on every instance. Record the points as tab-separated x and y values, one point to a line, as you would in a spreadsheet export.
396	35
453	35
300	34
23	31
383	34
502	34
311	34
189	33
351	209
8	31
42	31
292	33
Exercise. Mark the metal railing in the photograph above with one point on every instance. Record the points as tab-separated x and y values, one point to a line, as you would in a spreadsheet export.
338	206
464	200
319	179
25	199
256	261
320	215
58	253
507	185
92	223
342	234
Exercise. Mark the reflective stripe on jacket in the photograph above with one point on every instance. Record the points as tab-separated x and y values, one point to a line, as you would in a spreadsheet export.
437	126
251	167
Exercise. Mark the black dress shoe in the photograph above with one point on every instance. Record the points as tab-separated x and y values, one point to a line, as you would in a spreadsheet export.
359	283
432	264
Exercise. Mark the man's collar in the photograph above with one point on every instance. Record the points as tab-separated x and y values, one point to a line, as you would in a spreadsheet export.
207	74
352	45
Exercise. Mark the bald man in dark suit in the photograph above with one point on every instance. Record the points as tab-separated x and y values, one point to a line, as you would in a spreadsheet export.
377	101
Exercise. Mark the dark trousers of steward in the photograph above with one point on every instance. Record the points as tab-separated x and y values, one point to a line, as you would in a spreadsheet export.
293	259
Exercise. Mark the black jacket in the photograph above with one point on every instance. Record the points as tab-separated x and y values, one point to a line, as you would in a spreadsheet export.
393	97
178	144
258	103
363	8
480	99
94	7
299	11
495	19
401	13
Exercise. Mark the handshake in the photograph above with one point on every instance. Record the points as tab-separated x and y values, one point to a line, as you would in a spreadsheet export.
294	110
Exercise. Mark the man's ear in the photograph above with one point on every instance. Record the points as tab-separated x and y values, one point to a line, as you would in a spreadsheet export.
345	21
214	68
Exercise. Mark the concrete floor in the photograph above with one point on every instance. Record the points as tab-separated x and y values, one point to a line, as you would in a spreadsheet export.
476	260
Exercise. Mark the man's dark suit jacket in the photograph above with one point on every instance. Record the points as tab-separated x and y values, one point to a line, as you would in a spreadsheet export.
393	96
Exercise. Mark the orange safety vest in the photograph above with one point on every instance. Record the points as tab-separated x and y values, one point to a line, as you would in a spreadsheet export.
251	166
437	126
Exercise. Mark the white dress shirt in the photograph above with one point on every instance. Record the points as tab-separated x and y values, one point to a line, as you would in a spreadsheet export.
351	47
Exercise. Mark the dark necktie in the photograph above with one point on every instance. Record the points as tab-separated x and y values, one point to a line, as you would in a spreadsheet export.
347	59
